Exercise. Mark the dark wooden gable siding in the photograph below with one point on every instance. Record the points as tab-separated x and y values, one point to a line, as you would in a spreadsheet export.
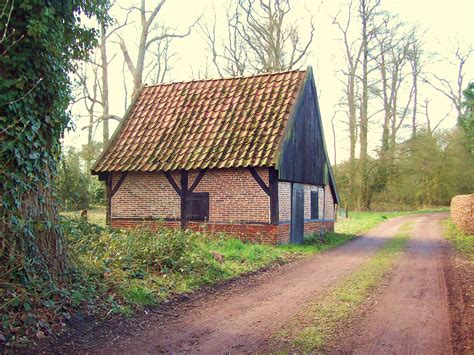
303	156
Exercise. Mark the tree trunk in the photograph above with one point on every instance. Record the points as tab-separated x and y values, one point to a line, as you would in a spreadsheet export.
363	120
105	84
43	252
415	102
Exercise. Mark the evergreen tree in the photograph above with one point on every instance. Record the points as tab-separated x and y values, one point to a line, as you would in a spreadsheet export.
466	120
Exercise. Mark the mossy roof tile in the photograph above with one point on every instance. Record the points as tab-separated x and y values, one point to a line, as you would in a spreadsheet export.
235	122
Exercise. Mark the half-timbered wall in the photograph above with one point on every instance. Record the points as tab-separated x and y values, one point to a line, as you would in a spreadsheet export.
234	196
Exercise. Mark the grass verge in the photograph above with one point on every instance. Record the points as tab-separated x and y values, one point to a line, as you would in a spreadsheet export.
95	214
360	222
311	330
122	271
462	242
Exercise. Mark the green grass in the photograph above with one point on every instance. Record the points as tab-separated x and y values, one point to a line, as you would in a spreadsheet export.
144	258
360	222
138	295
326	242
95	214
144	267
311	330
462	242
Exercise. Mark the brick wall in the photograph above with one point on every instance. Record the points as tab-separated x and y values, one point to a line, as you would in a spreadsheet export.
329	204
321	202
284	201
307	201
260	233
314	227
145	195
237	204
234	195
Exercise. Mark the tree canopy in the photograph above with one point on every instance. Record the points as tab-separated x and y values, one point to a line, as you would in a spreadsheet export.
466	119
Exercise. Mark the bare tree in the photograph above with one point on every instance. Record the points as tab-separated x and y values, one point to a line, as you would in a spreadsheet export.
260	38
394	65
90	97
417	60
333	128
452	88
360	18
150	34
105	81
352	54
368	10
429	124
96	91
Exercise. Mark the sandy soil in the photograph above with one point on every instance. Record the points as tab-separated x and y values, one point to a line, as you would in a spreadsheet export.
239	316
410	314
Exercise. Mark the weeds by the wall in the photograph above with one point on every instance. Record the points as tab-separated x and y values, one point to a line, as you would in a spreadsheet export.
120	271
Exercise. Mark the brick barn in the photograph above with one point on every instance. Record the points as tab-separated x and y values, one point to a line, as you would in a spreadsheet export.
241	155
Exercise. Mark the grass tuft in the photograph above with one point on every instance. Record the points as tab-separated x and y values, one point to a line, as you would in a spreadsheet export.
462	242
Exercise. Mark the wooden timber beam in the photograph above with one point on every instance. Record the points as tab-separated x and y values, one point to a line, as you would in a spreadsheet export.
184	194
259	180
273	181
119	183
197	180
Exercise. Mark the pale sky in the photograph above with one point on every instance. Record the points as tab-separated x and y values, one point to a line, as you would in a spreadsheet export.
443	21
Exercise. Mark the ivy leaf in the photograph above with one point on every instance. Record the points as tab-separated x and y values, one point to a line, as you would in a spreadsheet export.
20	84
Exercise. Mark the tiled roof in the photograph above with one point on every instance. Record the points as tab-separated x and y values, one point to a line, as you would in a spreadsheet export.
223	123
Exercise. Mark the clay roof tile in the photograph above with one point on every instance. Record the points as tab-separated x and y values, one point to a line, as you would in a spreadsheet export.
223	123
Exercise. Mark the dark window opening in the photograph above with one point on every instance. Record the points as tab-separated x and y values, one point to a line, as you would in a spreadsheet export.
197	206
314	205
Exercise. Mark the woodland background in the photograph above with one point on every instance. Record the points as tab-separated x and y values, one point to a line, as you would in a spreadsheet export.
396	94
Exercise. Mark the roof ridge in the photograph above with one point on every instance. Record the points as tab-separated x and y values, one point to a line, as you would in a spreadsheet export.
226	78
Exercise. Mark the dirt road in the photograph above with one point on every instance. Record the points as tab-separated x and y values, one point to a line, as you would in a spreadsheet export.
410	315
242	318
411	312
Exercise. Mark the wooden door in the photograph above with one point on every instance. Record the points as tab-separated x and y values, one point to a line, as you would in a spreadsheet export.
297	214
